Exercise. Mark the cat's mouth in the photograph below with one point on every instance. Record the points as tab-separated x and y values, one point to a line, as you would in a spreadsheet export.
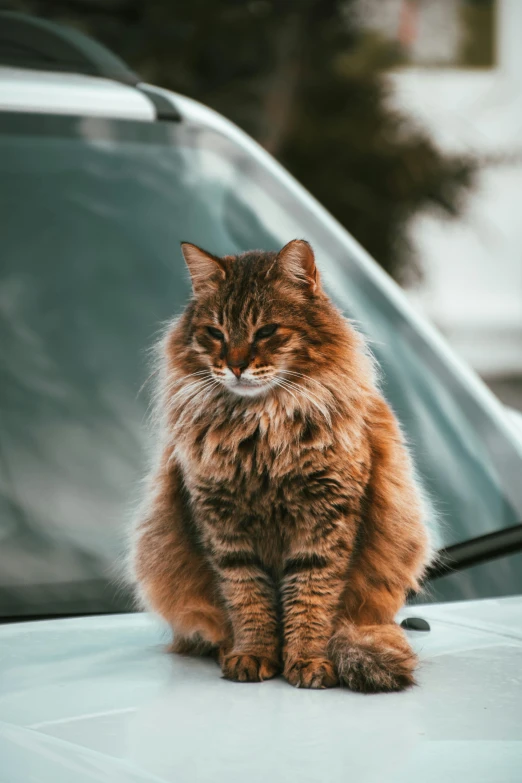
245	385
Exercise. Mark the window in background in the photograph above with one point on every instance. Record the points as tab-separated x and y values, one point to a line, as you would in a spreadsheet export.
435	33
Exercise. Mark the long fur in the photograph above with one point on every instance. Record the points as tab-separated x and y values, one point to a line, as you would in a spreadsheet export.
279	532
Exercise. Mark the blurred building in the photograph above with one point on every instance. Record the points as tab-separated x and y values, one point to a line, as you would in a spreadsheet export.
463	80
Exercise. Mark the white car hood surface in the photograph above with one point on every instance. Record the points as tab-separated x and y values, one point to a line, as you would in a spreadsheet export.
98	699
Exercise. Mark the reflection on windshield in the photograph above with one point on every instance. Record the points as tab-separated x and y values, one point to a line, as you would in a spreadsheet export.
90	270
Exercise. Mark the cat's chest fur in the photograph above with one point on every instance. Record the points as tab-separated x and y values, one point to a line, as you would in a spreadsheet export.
267	476
247	451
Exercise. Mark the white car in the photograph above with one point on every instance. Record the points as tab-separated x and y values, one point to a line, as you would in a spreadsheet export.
101	176
98	700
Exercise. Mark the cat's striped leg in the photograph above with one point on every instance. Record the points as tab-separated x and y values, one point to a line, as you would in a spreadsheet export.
251	601
313	583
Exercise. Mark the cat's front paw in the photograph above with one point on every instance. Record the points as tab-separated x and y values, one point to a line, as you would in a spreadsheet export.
248	668
311	673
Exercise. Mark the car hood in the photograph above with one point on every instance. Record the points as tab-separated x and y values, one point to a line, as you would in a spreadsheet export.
99	699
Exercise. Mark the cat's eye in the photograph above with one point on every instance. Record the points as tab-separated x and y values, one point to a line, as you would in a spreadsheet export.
266	331
217	334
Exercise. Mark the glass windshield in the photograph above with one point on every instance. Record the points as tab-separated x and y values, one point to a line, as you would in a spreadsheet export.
93	212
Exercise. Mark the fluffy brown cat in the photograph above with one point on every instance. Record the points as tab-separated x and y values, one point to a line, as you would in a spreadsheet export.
283	526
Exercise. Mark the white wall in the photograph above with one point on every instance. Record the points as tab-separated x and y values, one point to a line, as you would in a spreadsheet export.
473	267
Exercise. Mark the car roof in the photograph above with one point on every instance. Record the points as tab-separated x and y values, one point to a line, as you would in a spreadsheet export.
26	90
99	699
52	68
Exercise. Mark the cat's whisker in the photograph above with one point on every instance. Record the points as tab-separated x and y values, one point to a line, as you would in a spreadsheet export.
196	401
186	391
282	385
303	375
310	398
297	386
192	407
176	381
210	387
309	392
145	382
312	401
330	403
193	392
187	387
313	380
181	378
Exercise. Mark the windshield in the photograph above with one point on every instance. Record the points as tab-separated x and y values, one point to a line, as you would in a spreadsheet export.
93	212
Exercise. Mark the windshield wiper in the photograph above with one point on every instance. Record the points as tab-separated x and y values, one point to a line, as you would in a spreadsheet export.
477	550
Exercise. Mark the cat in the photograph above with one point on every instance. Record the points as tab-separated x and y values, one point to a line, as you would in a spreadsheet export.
283	525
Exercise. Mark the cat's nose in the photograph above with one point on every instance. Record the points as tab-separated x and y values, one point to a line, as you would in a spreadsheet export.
237	359
237	367
237	364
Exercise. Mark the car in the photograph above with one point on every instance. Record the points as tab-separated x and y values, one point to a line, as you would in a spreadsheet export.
101	178
98	699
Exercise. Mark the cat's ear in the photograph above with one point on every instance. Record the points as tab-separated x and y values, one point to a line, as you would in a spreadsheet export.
298	260
206	271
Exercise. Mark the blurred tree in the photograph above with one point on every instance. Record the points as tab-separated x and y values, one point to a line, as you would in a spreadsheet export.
302	79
